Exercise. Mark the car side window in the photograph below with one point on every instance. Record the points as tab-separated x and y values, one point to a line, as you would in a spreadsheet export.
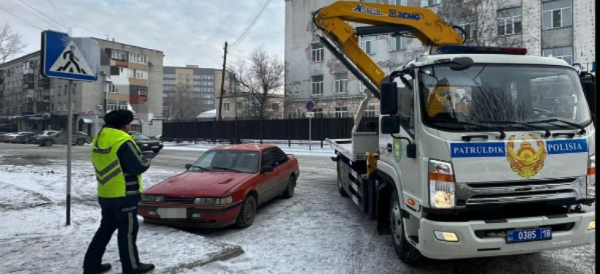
279	157
267	158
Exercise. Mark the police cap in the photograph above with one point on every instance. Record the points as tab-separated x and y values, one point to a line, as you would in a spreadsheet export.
118	118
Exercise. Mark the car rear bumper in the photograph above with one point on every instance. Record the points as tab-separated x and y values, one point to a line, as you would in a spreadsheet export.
193	216
472	243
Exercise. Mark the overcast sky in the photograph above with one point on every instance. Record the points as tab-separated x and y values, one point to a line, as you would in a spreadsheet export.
186	31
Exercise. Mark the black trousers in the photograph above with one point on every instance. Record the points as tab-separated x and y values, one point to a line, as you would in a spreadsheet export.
121	218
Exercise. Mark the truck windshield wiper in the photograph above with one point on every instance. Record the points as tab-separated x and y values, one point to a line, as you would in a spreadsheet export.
520	123
502	134
225	168
550	121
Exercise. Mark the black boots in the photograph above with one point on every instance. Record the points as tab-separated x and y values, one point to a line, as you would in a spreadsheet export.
103	268
142	268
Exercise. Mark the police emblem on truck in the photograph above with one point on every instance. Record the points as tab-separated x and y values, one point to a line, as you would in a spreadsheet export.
526	161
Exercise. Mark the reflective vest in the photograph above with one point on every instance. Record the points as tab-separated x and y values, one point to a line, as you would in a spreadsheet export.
109	175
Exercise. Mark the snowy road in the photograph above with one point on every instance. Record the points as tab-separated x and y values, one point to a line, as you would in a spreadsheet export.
317	231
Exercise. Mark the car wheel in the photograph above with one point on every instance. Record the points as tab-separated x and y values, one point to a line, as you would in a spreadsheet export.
80	142
247	213
156	150
49	143
289	191
405	251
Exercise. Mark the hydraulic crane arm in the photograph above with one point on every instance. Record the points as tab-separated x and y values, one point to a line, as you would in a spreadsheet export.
423	23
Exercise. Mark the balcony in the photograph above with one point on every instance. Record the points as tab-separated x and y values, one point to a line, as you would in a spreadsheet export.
44	82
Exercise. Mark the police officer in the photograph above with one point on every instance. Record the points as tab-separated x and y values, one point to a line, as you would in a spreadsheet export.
119	167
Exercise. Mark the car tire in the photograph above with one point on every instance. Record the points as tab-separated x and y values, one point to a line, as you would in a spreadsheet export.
289	191
156	150
48	143
80	142
405	250
247	213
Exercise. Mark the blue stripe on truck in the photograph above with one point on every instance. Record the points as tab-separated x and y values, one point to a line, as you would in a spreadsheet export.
498	149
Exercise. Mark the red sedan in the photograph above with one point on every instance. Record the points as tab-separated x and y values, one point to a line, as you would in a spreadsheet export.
223	187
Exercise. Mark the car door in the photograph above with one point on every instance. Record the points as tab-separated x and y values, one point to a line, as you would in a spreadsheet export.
60	138
281	169
268	185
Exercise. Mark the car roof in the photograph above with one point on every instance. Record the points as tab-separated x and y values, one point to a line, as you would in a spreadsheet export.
247	147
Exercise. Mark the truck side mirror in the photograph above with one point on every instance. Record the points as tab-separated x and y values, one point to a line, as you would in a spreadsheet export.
388	102
390	124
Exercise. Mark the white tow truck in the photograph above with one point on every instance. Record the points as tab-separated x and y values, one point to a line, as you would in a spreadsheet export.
479	152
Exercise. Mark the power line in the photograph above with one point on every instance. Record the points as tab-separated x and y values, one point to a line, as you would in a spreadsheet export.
43	14
25	21
55	10
239	40
27	10
59	12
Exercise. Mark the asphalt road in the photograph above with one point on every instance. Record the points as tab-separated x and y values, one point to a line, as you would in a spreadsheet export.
351	239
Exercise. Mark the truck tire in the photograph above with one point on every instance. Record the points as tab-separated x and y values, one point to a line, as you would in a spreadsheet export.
406	252
339	180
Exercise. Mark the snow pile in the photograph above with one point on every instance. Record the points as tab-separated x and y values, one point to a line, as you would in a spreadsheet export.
35	239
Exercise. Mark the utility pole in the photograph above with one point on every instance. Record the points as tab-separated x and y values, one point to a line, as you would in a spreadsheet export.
222	83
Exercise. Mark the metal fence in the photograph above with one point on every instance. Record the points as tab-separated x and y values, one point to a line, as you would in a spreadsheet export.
274	129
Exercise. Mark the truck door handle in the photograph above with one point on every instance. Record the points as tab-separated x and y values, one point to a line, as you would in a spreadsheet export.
389	147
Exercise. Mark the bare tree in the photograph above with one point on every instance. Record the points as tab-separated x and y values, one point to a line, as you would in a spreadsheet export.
260	78
184	105
11	43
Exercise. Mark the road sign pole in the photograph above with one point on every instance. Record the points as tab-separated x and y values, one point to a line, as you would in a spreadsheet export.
310	134
69	145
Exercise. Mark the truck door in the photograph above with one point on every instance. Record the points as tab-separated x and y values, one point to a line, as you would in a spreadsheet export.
395	153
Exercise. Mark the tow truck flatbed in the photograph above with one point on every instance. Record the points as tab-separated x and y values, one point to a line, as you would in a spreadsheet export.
356	148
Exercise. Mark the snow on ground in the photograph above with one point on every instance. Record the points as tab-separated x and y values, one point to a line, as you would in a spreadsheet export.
35	239
297	148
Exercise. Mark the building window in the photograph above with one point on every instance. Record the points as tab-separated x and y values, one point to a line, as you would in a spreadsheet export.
370	111
399	2
509	21
317	85
398	43
143	91
565	53
341	112
557	14
367	43
340	83
318	112
469	24
239	105
111	105
118	54
206	96
140	74
122	105
226	106
429	3
317	52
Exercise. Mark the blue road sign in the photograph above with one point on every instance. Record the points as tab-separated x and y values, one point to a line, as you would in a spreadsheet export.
62	58
310	106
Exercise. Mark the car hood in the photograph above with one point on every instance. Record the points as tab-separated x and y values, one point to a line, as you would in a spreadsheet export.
198	184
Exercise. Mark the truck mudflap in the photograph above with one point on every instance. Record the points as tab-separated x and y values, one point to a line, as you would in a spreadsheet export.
486	239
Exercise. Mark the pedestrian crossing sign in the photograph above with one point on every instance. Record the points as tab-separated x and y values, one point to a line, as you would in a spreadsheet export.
63	58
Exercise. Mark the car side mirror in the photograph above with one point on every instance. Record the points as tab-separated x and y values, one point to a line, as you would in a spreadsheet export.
188	166
390	124
267	169
461	63
388	103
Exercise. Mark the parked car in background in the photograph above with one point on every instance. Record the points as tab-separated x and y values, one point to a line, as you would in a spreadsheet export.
224	186
146	144
23	138
5	137
78	138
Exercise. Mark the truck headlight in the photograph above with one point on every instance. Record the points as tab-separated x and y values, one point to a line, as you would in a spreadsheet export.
591	173
152	198
214	201
441	184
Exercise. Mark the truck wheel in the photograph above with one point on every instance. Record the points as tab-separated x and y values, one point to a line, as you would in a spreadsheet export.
289	191
247	213
406	252
339	179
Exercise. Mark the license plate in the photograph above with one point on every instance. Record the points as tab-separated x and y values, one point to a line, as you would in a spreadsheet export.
528	235
153	147
172	213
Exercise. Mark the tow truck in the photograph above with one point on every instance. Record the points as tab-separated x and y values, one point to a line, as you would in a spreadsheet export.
480	151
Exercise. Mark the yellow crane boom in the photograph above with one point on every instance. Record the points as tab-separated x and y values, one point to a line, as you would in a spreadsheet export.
423	23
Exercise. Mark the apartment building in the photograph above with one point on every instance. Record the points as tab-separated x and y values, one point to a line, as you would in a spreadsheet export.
130	78
558	28
198	84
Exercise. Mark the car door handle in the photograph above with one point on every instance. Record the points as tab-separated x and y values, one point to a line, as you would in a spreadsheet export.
389	147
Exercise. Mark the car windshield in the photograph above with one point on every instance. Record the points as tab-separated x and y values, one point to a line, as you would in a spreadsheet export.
227	160
509	97
141	137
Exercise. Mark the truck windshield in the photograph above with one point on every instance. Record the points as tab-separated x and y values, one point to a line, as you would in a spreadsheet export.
507	97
